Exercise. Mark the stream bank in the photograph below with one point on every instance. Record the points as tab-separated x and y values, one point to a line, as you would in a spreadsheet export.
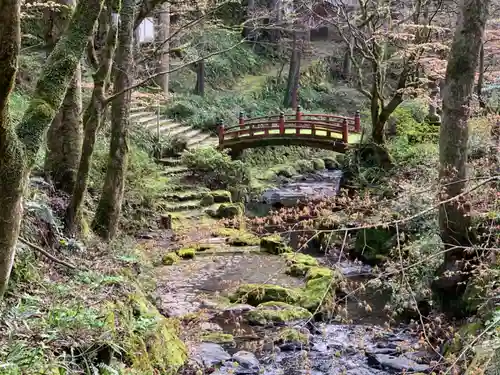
229	340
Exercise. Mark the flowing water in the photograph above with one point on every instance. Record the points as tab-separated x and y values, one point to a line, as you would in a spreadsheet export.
362	347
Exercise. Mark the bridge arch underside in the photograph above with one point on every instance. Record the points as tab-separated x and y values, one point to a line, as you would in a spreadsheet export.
237	145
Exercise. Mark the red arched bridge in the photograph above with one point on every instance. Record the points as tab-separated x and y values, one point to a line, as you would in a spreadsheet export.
323	131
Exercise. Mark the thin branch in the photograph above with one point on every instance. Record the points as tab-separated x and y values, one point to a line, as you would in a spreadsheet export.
48	255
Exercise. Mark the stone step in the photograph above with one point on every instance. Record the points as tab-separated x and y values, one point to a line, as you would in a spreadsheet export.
186	195
164	122
182	206
140	108
170	162
140	114
198	139
174	170
177	130
151	118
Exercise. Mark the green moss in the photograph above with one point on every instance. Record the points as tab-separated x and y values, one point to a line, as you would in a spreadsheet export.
292	335
230	210
298	269
237	237
207	200
319	293
221	196
170	258
304	166
318	164
149	341
274	245
465	334
285	171
255	294
299	258
187	253
318	272
276	312
217	337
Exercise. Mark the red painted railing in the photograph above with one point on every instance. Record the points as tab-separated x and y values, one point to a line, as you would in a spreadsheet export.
267	125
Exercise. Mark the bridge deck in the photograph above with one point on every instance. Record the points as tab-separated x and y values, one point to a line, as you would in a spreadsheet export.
313	130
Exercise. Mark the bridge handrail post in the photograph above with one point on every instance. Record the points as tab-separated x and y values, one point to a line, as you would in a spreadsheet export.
220	127
298	113
357	122
241	120
345	131
282	123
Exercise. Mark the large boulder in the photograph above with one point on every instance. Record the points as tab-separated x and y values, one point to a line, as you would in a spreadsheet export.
230	210
255	294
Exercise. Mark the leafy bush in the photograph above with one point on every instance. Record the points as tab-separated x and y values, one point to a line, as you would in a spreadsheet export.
414	131
216	169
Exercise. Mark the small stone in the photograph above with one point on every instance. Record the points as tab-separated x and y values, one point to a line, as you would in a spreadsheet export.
239	308
248	362
211	327
400	364
211	354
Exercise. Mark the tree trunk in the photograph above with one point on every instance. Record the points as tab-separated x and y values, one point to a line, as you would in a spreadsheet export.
164	35
480	79
19	147
293	76
108	210
93	120
249	28
347	63
200	78
64	138
454	220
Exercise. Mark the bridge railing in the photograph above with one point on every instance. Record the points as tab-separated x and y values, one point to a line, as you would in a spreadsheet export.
310	125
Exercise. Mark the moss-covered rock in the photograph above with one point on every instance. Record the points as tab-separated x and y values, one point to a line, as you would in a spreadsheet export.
170	258
318	164
304	166
274	245
299	258
221	196
187	253
292	336
230	210
207	200
285	171
462	337
331	163
318	272
274	312
237	237
255	294
155	347
217	337
373	245
318	296
297	269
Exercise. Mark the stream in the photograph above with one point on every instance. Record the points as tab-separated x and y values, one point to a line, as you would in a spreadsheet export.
361	347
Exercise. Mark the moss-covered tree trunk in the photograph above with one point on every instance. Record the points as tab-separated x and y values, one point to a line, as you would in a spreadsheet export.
19	147
92	119
292	86
65	134
108	211
454	219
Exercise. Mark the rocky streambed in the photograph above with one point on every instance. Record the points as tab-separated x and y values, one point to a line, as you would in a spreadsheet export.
276	332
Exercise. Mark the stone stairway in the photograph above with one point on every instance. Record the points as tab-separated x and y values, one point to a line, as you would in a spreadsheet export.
147	118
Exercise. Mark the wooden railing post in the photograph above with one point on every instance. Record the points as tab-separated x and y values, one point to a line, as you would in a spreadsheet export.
298	118
282	123
345	131
220	128
241	120
357	122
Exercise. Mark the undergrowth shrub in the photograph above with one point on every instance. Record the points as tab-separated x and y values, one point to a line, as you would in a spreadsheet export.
217	170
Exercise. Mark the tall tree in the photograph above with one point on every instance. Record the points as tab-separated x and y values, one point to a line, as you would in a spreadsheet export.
454	219
101	59
20	145
108	211
65	134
